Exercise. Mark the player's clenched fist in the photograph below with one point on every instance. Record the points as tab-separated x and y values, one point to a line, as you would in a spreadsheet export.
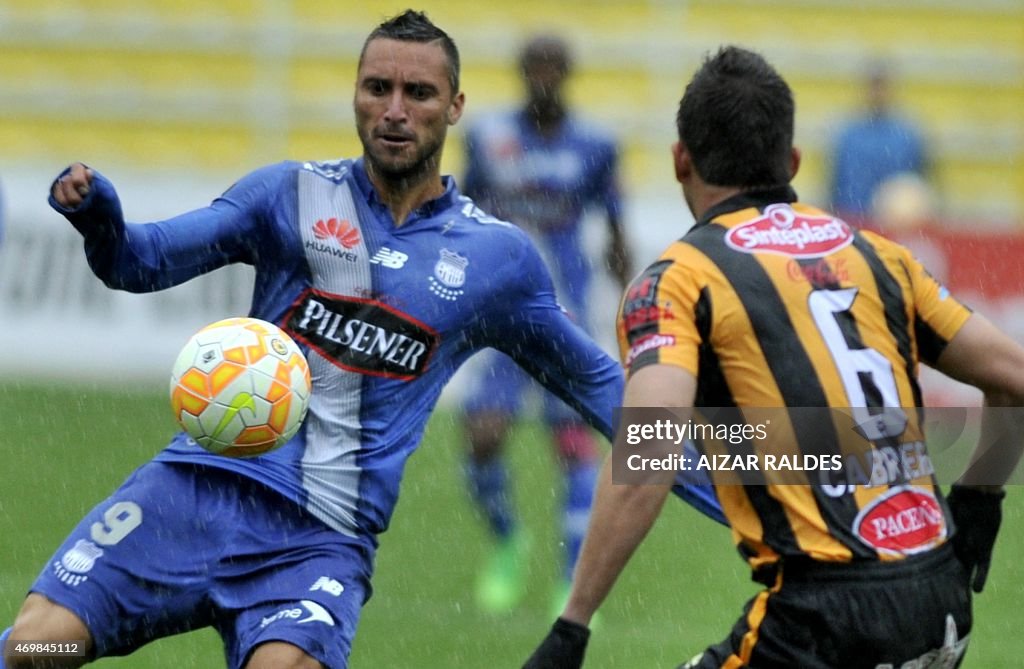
71	189
562	648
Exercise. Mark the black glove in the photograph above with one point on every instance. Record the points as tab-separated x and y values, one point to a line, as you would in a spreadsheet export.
562	648
977	515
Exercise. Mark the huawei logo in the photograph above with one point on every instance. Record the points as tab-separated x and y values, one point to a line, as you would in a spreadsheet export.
344	232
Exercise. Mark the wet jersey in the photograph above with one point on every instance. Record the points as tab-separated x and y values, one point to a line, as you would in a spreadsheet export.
771	303
545	184
385	315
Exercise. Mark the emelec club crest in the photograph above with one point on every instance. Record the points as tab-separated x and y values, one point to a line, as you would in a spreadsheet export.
449	275
77	562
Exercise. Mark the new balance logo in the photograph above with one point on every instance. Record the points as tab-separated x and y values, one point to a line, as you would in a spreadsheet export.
328	585
389	258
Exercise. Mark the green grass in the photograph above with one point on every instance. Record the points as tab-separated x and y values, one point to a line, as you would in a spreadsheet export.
65	448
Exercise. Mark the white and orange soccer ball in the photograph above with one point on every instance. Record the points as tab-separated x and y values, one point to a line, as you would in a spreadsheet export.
240	387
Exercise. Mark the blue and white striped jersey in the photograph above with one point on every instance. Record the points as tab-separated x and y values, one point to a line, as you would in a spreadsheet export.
384	314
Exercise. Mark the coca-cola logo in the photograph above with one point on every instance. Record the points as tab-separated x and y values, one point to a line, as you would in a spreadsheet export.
781	229
903	521
821	272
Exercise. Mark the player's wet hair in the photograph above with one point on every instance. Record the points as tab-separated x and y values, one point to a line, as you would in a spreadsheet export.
736	121
413	26
544	49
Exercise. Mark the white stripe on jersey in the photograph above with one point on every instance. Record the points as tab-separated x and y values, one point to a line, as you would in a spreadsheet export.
330	475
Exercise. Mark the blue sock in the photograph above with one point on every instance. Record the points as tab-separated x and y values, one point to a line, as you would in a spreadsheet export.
580	479
488	482
3	640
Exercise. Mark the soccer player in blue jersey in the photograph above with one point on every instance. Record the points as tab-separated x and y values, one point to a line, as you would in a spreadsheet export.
541	167
411	278
276	551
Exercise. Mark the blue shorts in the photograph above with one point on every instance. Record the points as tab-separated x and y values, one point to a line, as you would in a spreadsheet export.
179	547
499	386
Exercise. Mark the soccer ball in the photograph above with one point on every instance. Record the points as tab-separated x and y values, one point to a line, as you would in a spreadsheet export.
240	387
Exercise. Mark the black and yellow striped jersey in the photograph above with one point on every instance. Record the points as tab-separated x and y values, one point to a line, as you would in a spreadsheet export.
771	303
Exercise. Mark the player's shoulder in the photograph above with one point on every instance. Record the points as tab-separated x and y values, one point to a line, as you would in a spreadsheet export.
332	170
503	249
499	123
264	180
589	131
485	229
275	178
885	246
472	219
679	256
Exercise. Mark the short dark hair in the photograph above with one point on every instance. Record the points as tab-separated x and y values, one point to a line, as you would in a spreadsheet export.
546	48
413	26
736	121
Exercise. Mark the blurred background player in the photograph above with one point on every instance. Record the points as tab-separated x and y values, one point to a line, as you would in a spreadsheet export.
542	168
872	148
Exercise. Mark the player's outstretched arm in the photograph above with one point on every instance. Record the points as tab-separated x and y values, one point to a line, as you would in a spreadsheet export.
986	358
573	367
529	326
143	257
981	355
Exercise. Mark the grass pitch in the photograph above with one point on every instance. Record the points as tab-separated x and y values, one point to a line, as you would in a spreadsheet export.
64	449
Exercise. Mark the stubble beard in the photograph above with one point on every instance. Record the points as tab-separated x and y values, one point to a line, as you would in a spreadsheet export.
404	172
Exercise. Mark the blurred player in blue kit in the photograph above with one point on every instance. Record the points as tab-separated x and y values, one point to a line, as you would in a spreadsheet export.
543	168
873	148
276	552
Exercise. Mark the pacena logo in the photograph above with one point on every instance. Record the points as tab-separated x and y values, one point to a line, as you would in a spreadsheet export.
361	335
787	232
903	521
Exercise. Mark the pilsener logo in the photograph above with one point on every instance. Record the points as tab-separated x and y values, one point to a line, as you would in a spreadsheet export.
787	232
363	336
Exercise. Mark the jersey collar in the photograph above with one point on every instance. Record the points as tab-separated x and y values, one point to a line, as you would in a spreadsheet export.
747	199
428	209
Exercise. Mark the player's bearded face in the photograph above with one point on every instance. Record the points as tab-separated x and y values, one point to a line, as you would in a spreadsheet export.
403	106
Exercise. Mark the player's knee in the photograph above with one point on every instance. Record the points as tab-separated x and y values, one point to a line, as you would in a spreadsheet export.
41	620
575	443
281	655
486	432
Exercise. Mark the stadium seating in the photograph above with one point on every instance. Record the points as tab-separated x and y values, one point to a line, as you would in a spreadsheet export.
226	84
216	87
